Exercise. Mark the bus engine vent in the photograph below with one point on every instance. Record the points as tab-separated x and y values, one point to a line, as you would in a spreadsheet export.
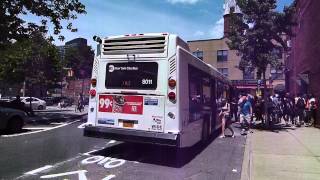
172	65
134	45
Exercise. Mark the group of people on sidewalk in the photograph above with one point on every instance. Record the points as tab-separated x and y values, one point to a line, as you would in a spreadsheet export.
247	109
298	110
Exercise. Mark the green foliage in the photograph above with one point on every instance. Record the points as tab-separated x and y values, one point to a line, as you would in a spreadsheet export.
80	59
34	59
13	27
259	33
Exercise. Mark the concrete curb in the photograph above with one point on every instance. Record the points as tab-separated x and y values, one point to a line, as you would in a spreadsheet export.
246	172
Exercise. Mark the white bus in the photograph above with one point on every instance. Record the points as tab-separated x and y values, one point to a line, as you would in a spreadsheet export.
149	88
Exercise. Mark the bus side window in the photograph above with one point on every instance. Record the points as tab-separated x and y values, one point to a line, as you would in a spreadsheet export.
206	90
195	94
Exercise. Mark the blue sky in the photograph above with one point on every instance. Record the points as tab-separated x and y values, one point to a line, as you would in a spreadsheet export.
190	19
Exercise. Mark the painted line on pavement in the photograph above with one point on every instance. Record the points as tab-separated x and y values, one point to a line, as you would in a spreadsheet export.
27	133
95	150
37	128
55	123
81	126
35	171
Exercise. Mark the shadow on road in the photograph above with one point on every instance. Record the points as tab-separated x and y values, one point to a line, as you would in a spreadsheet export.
11	133
155	154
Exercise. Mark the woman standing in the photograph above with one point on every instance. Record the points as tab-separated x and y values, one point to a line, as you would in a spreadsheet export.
225	117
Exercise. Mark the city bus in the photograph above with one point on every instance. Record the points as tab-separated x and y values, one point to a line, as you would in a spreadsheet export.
149	88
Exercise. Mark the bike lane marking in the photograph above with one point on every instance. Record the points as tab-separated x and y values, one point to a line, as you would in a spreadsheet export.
35	171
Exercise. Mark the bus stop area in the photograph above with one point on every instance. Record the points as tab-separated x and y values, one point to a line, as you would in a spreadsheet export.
285	153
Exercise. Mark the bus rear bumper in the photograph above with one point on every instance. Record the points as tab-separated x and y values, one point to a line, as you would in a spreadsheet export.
130	135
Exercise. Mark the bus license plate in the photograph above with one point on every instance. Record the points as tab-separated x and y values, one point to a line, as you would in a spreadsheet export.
128	124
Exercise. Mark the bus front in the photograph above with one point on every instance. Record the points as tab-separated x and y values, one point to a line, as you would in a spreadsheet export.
133	90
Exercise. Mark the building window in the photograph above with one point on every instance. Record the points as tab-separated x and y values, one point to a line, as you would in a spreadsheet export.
222	55
198	54
276	73
248	75
224	71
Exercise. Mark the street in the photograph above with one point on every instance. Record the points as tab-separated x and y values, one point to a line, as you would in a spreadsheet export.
63	152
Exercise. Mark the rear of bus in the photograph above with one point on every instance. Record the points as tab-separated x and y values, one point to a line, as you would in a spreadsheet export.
133	90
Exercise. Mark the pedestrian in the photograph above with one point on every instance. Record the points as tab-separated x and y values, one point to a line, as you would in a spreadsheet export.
288	110
313	106
80	103
245	115
225	118
234	109
300	109
259	109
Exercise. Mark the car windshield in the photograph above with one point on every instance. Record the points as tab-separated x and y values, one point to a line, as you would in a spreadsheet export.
160	89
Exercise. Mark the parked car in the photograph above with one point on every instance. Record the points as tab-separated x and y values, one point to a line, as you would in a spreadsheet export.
36	103
11	120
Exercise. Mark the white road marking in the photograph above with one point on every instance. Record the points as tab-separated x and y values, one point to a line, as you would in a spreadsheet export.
89	153
55	123
109	177
114	162
81	126
34	172
37	128
91	160
112	142
27	133
234	170
81	175
107	161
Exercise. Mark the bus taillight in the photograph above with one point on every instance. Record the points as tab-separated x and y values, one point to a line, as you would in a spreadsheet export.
93	82
93	92
172	96
172	83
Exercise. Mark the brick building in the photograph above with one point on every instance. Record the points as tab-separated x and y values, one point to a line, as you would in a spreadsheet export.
304	62
217	53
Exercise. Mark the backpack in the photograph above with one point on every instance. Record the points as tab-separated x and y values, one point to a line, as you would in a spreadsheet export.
300	103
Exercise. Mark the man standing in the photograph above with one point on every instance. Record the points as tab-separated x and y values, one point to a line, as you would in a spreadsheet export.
245	115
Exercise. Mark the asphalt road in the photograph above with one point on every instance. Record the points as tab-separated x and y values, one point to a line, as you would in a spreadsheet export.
63	153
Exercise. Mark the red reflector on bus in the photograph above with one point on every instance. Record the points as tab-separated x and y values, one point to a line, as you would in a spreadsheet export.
172	83
93	92
172	96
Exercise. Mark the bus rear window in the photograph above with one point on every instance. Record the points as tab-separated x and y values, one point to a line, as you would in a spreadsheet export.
132	75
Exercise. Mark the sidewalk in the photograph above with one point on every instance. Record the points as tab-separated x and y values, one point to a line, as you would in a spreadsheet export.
55	114
289	153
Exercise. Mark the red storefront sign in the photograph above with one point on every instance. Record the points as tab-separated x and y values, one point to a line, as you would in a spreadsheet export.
121	104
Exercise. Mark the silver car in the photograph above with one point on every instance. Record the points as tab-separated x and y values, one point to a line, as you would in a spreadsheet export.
36	103
11	120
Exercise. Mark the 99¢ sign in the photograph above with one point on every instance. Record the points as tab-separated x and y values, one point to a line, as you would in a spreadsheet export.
105	103
121	104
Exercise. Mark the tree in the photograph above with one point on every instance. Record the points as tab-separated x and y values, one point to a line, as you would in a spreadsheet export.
80	60
13	27
258	35
34	60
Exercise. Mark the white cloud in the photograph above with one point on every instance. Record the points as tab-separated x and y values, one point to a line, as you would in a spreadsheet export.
183	1
198	33
217	30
